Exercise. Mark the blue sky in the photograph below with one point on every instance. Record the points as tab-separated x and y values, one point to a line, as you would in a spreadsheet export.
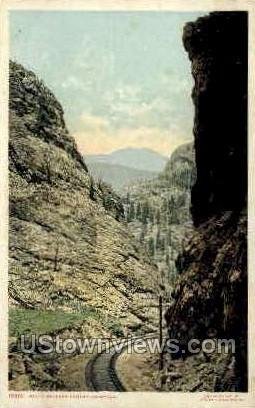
123	78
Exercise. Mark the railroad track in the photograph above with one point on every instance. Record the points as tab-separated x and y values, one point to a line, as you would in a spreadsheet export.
100	371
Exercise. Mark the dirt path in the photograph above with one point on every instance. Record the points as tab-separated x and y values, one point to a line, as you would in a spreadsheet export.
137	372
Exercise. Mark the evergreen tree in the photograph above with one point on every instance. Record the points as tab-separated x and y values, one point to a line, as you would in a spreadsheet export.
151	247
145	212
138	211
143	233
131	212
158	239
92	190
158	216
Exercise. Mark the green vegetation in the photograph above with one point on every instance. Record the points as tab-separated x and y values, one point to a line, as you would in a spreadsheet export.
24	321
115	328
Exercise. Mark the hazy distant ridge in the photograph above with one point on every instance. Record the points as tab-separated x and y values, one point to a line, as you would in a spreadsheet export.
125	166
140	159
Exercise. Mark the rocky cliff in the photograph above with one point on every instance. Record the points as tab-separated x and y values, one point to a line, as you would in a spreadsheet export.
217	47
69	248
210	299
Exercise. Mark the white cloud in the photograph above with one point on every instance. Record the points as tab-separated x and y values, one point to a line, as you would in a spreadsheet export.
74	83
96	136
123	99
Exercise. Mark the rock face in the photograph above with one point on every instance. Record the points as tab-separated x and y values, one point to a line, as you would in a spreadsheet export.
69	248
217	47
180	169
210	298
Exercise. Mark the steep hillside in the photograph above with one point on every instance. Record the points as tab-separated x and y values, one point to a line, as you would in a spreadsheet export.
69	249
210	298
116	175
158	211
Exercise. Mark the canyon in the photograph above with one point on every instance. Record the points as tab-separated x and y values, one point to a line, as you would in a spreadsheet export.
84	261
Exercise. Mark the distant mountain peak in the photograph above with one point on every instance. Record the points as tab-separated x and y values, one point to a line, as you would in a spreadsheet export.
137	149
137	158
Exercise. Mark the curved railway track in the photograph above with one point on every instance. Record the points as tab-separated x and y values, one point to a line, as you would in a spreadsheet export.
100	371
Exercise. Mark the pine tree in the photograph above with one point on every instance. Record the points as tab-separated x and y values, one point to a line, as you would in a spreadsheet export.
145	212
158	239
92	189
138	211
151	247
143	233
158	216
131	212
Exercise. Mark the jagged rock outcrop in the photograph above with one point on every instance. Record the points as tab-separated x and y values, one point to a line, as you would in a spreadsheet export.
210	298
180	170
67	249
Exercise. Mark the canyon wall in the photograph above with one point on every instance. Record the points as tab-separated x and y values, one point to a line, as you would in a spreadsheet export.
210	298
217	47
68	245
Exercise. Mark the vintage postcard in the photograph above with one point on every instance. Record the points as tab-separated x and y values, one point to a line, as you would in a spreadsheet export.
127	177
